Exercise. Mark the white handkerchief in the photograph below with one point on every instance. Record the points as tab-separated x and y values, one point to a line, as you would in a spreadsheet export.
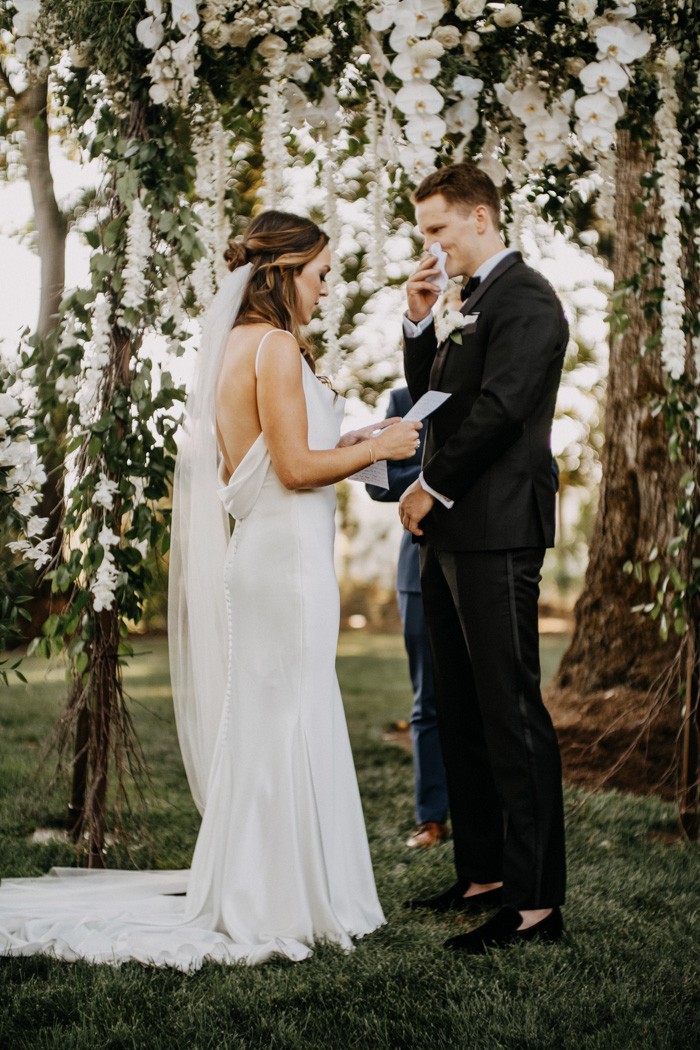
441	256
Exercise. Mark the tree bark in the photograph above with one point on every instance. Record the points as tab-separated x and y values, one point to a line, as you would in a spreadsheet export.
31	105
50	222
611	645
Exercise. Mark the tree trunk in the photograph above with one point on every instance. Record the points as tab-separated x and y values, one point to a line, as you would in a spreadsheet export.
106	684
613	646
50	222
51	234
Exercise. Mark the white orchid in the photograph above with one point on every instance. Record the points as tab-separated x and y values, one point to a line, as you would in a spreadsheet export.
383	15
548	129
418	161
546	152
425	130
624	43
418	96
596	109
184	15
35	526
25	502
529	104
607	76
104	493
416	63
463	116
468	87
426	13
150	31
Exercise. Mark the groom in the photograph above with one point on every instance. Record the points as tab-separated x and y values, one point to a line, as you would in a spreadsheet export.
483	508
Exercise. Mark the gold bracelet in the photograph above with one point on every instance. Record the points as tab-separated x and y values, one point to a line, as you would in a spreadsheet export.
372	457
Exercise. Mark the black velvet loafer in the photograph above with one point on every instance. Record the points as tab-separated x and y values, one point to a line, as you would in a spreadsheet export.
454	900
502	929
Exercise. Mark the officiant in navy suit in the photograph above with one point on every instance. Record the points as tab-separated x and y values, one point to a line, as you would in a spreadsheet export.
429	771
483	510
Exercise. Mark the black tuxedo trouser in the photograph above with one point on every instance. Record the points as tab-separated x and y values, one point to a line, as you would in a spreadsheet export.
499	745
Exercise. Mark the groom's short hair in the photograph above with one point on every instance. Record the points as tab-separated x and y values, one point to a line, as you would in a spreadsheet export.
463	185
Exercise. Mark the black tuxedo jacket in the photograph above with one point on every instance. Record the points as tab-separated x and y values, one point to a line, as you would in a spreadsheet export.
488	446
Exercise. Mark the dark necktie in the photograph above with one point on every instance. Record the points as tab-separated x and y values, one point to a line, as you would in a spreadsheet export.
471	286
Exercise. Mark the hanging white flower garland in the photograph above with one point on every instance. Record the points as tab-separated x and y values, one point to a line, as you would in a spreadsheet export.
138	253
376	257
332	304
274	147
673	342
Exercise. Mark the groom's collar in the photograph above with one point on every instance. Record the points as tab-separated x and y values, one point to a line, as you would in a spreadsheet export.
501	262
491	263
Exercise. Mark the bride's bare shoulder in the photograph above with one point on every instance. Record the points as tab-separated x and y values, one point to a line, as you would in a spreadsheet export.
245	340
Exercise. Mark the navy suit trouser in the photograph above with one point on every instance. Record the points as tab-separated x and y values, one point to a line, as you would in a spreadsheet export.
429	771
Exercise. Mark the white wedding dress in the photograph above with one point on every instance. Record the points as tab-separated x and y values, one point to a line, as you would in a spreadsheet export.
282	859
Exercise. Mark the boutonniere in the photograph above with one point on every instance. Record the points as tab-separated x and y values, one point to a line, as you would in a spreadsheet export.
449	326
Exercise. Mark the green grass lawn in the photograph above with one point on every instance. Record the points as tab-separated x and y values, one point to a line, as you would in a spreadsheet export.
626	975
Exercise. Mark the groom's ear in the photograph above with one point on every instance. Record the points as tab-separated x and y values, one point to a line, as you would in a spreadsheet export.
484	219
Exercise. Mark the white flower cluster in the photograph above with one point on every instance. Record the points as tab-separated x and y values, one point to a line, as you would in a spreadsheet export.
450	321
27	46
104	493
620	43
417	63
211	152
376	199
138	251
107	577
332	304
21	477
670	145
95	359
173	67
546	127
274	148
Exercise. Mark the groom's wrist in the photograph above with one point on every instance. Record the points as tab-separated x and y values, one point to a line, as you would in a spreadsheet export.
412	329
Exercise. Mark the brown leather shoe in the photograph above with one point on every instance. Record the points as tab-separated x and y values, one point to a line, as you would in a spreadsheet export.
428	834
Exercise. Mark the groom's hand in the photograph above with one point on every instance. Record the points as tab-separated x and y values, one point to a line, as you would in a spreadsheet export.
413	506
420	292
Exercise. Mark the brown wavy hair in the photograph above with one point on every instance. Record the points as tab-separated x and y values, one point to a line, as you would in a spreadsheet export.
278	244
462	185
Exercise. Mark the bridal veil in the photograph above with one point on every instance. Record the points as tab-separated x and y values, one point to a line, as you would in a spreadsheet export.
197	627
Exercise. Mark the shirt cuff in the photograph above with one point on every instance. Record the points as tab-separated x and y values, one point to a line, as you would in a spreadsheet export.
412	329
449	503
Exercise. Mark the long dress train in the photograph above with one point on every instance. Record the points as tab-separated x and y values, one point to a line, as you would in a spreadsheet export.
281	859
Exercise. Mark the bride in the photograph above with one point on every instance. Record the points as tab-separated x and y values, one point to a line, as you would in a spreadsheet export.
281	859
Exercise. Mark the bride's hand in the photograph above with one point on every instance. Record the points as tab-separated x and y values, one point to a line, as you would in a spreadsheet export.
399	441
353	437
